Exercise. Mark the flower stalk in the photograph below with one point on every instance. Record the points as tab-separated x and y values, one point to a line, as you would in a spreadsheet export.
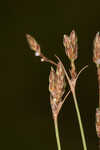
80	122
57	134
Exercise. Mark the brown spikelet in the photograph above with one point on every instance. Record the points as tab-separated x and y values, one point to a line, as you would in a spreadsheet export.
96	51
36	47
98	122
56	88
52	81
33	44
71	47
60	80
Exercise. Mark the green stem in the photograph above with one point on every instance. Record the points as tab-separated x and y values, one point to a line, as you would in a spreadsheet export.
80	122
57	134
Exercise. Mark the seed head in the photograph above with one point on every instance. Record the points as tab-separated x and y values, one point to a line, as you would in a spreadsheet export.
96	51
57	82
33	44
56	87
71	47
98	122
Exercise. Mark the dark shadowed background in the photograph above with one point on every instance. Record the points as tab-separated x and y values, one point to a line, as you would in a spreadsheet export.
25	114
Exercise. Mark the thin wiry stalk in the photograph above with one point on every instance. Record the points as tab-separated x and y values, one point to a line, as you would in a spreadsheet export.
44	58
57	134
81	71
66	97
98	72
80	122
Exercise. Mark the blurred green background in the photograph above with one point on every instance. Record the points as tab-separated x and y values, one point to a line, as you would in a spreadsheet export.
25	114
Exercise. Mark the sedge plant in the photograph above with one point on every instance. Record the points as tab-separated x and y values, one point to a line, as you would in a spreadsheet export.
59	79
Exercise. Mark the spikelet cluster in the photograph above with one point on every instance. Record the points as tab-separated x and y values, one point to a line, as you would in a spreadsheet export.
96	51
33	45
98	122
56	88
71	47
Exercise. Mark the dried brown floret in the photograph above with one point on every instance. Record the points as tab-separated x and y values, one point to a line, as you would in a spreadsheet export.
71	47
96	51
98	122
33	44
56	87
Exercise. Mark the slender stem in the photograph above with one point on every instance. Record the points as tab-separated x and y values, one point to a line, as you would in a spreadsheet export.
98	72
66	97
73	65
81	71
51	62
80	122
57	134
99	144
47	60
